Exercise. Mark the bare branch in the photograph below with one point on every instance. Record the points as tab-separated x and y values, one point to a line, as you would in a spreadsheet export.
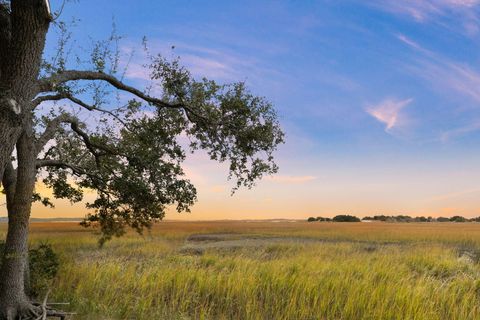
51	83
54	97
61	96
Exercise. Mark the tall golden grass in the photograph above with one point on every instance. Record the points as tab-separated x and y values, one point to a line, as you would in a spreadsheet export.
318	271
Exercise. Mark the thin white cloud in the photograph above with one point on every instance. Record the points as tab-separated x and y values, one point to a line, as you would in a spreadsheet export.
291	179
219	64
200	62
422	10
444	73
458	132
388	112
409	42
453	14
453	79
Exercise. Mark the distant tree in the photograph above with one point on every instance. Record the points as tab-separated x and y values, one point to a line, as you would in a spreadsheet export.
311	219
443	219
133	152
420	219
367	218
345	218
403	218
323	219
458	219
476	219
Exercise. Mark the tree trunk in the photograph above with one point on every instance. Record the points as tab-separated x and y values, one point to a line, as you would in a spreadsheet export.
22	40
8	137
13	300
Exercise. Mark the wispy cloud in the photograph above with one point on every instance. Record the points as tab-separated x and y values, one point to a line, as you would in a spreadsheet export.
458	132
388	112
410	42
291	179
460	13
212	64
221	64
422	10
454	80
442	71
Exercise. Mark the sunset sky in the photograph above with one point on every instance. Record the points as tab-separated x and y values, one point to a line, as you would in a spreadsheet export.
380	100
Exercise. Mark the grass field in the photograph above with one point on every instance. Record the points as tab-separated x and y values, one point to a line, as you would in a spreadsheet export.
267	270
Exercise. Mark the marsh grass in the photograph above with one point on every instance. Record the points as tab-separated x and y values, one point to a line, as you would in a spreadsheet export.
315	271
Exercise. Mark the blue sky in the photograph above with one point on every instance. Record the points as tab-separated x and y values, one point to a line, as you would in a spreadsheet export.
380	100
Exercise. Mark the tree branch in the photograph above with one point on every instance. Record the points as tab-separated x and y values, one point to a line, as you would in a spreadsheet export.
41	163
60	96
91	146
50	84
53	97
77	170
51	128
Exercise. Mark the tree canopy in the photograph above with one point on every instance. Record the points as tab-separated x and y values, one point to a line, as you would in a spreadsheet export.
132	156
130	151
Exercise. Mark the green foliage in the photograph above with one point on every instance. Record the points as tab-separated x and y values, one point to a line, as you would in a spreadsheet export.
132	158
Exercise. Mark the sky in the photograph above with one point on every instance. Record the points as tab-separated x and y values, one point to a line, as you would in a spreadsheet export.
380	100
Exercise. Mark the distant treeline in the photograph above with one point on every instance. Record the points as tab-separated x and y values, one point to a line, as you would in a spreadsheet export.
400	218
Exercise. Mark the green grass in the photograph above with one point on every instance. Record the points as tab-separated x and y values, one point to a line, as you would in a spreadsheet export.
318	271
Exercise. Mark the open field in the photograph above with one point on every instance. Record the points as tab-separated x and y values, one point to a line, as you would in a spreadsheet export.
266	270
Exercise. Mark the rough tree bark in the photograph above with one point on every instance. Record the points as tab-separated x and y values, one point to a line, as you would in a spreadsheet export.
22	38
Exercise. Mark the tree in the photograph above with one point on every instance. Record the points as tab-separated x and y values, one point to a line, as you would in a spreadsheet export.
458	219
443	219
132	156
345	218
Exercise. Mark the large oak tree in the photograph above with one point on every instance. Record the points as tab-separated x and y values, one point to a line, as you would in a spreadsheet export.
131	156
